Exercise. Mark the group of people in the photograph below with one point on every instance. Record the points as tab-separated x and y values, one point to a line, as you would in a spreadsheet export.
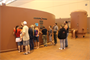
27	35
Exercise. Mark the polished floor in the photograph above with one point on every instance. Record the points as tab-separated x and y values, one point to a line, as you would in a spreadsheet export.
78	49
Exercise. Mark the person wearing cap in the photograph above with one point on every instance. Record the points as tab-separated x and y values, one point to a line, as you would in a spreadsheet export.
25	37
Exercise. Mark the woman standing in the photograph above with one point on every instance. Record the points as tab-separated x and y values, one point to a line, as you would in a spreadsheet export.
66	26
36	37
50	34
17	32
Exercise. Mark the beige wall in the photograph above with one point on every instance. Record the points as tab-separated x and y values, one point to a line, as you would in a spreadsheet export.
60	8
61	21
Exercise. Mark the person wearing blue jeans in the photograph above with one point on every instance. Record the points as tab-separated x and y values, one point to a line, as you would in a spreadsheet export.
31	44
67	28
66	41
62	36
62	44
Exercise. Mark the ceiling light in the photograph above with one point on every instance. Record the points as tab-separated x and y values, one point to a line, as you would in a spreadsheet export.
3	1
6	2
10	1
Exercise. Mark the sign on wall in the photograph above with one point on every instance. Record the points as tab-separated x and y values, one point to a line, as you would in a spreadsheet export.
36	24
40	18
41	24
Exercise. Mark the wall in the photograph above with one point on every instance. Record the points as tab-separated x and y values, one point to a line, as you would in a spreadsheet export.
60	8
12	16
61	21
88	24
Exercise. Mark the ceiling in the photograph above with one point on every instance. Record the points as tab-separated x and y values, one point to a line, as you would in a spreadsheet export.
17	2
21	2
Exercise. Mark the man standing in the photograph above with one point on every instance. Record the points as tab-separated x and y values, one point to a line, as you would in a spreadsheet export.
44	36
66	26
55	29
25	37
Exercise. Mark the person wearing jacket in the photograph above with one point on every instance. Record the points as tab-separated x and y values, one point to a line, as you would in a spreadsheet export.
62	36
31	36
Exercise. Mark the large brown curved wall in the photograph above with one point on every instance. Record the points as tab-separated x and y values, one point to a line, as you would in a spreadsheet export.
12	16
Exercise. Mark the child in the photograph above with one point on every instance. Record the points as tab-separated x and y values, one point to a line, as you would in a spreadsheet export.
62	36
50	34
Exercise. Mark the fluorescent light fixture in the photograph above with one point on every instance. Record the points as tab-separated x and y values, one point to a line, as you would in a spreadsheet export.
10	1
4	1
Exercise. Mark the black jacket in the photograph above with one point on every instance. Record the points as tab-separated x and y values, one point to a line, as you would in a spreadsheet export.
30	31
62	34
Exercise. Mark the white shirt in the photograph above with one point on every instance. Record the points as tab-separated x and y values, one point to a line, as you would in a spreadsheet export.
26	35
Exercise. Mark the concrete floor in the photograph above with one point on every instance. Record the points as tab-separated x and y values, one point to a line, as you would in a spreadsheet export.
78	49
